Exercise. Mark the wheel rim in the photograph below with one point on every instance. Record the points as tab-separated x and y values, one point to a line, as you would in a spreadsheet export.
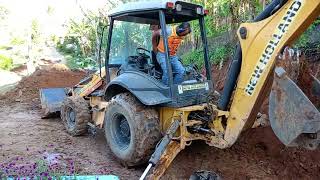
71	118
121	131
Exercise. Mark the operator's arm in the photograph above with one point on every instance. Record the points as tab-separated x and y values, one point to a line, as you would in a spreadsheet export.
155	38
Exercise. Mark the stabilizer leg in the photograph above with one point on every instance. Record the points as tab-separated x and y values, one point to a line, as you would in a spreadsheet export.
167	157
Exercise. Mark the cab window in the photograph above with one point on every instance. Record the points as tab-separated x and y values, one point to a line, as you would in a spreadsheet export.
126	38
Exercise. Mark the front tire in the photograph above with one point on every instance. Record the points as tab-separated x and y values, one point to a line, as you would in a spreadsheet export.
132	129
75	115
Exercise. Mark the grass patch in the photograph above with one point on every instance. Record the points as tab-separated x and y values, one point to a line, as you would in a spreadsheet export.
216	56
6	63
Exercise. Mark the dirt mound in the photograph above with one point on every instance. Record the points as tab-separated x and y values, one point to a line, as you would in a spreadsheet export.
57	75
258	154
219	74
284	162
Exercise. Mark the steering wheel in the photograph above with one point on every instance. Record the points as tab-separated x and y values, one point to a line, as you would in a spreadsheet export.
143	52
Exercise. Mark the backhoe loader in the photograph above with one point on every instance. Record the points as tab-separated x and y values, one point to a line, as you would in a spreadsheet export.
145	120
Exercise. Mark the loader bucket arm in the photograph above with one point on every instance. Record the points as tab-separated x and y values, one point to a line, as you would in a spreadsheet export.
52	98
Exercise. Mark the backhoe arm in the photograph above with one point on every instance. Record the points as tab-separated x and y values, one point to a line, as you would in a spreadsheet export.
261	42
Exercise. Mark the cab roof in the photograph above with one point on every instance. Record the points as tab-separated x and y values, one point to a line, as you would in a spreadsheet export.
147	12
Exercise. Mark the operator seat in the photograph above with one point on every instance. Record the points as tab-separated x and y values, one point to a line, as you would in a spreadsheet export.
158	70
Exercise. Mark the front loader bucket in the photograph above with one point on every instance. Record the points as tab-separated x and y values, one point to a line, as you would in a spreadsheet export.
51	101
294	118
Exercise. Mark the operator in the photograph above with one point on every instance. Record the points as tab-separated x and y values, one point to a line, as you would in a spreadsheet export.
175	36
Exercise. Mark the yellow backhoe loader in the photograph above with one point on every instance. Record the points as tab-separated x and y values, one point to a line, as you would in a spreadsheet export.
145	120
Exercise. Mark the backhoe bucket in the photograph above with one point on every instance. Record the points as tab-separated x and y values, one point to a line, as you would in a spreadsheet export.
51	101
294	118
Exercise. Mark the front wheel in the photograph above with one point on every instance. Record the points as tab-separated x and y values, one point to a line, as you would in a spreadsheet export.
75	115
132	130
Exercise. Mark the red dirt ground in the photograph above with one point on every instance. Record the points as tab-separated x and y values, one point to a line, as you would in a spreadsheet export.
258	154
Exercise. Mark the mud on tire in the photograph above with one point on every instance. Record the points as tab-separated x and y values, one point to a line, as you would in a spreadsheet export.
75	115
132	129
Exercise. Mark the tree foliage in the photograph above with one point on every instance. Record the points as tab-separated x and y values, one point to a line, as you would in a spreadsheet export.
80	43
226	15
310	39
223	19
5	62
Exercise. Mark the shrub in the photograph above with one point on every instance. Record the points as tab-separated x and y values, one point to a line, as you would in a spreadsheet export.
193	57
219	54
5	62
216	56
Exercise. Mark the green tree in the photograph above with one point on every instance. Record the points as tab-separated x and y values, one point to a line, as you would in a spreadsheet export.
80	43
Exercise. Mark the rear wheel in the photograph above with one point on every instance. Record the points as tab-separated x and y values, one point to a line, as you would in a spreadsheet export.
75	115
132	130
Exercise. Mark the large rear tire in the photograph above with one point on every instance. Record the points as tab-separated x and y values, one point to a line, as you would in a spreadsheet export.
132	129
75	115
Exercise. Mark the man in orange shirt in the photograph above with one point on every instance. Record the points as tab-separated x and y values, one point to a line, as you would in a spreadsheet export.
175	36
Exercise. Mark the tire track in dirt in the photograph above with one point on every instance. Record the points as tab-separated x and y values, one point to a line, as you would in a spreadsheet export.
23	129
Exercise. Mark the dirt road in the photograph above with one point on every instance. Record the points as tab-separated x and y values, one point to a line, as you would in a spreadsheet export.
258	154
24	134
25	138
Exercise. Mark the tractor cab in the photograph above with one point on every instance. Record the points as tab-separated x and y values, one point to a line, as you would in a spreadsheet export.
129	54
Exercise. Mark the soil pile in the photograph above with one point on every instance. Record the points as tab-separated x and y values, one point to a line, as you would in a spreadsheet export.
56	75
219	74
257	154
